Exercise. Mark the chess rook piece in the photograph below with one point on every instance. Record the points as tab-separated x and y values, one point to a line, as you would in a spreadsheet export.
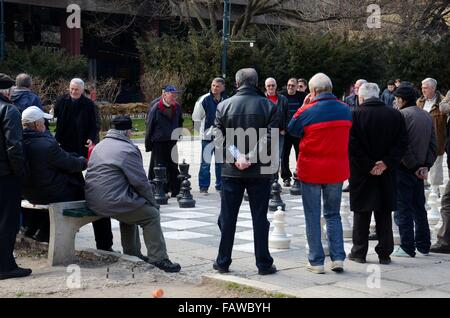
296	188
278	238
186	200
161	196
276	200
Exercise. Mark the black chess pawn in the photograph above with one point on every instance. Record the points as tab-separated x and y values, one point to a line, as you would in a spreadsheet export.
276	200
296	188
185	199
161	196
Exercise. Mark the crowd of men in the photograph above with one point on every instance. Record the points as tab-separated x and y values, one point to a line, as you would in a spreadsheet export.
385	144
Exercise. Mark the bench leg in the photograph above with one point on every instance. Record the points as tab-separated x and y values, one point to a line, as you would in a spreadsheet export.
61	250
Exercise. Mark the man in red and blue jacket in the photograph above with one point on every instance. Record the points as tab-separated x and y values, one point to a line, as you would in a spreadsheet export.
323	126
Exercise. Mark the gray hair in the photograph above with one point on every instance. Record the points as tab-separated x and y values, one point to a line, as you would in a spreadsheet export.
361	81
247	76
321	83
121	132
5	92
430	81
26	124
369	90
78	82
23	80
271	79
219	80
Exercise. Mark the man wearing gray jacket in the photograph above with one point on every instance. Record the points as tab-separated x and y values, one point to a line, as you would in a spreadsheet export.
411	215
117	187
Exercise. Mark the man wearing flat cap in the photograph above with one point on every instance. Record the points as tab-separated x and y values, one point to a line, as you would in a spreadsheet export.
11	171
117	187
163	120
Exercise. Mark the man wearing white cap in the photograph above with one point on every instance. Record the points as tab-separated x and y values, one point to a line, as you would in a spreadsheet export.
48	171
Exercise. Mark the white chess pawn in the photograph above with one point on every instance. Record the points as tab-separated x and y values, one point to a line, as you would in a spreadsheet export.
278	238
433	214
345	214
325	246
395	232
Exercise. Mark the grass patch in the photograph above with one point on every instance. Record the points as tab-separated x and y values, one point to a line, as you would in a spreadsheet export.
20	294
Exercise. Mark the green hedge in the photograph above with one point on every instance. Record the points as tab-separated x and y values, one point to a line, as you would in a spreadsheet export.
43	63
197	59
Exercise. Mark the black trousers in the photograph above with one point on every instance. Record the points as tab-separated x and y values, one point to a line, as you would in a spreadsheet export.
361	227
231	198
289	142
10	191
162	155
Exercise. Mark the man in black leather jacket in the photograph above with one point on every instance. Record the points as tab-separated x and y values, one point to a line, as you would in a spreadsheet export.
244	128
11	170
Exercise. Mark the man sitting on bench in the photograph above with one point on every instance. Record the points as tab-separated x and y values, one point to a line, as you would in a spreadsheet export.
117	187
49	172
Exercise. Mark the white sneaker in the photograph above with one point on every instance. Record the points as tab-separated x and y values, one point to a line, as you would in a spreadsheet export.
319	269
401	253
337	266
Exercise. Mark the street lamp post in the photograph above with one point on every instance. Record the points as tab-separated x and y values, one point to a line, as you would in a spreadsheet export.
226	35
2	31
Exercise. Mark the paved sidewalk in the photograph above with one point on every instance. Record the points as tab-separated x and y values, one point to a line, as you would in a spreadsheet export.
193	236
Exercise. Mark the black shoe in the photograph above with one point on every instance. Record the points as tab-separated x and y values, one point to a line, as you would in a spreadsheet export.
346	189
437	248
108	250
167	266
142	257
221	270
287	183
16	273
41	236
385	260
373	237
360	260
269	271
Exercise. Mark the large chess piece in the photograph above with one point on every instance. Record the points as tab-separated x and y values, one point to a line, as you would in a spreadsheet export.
160	179
276	200
439	224
395	232
278	238
296	188
433	214
373	229
345	214
326	248
186	200
246	199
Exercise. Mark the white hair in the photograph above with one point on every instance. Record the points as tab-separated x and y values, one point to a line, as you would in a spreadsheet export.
77	81
361	82
27	124
320	82
270	79
430	81
369	90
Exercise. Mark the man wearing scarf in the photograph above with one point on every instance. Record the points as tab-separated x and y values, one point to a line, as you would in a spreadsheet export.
161	136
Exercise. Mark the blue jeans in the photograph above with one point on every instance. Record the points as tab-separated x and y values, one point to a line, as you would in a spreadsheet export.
311	195
204	175
411	215
231	198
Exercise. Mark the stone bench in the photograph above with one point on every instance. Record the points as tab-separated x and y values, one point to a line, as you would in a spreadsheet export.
66	218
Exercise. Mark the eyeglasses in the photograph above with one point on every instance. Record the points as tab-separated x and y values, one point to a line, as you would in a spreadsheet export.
291	85
301	86
270	85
